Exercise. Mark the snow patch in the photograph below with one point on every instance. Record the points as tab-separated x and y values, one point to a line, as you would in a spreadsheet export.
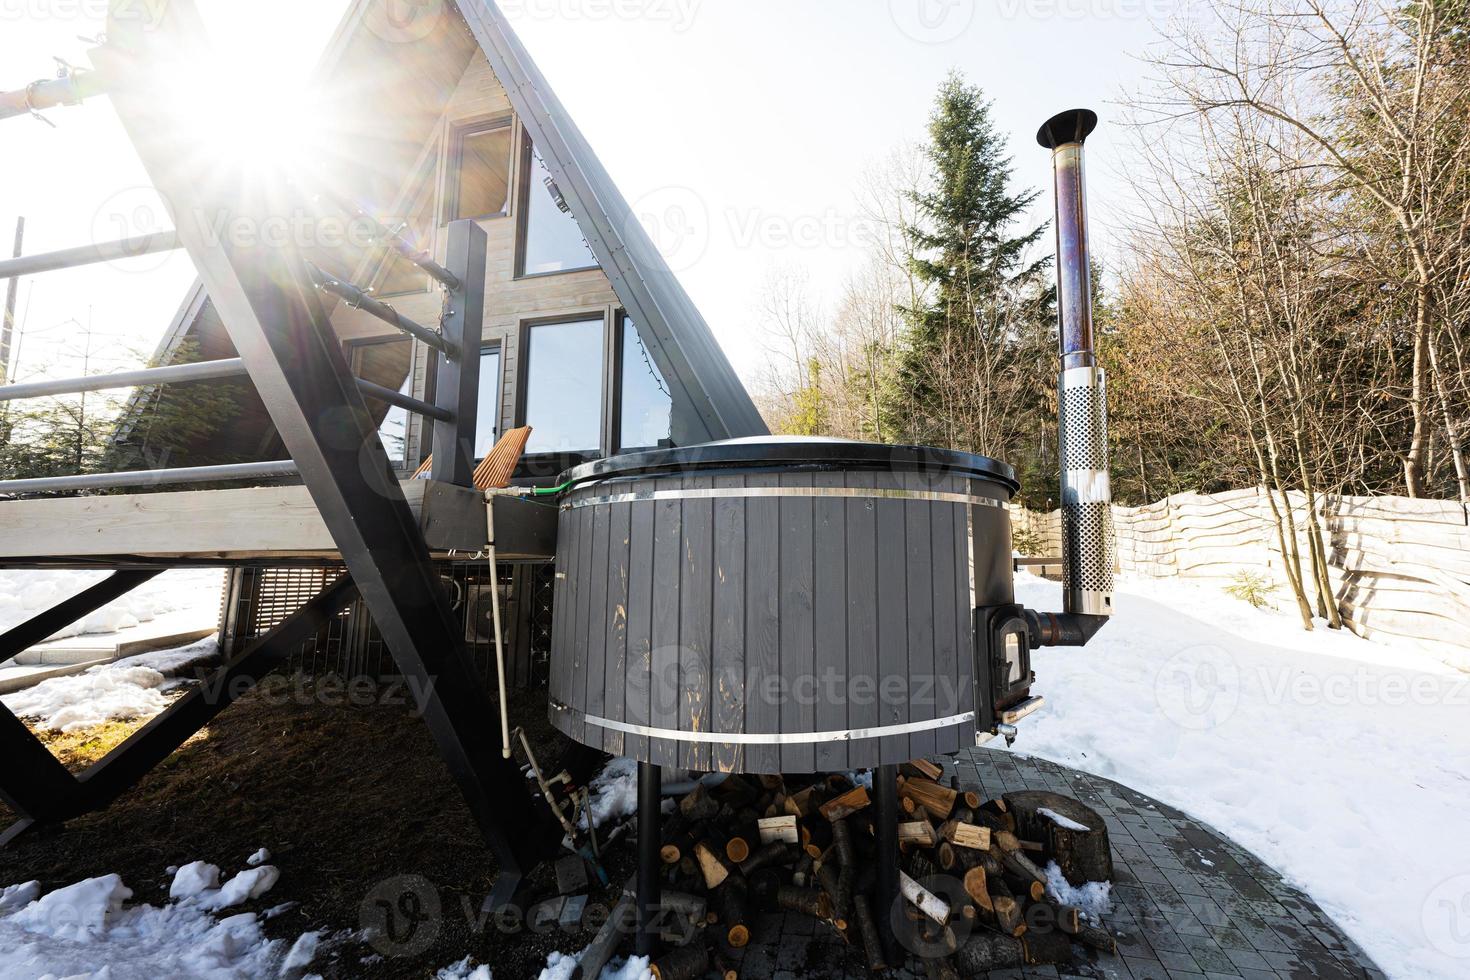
194	879
132	688
1284	741
1094	899
1063	822
463	971
559	966
242	888
26	593
634	968
84	930
259	857
613	793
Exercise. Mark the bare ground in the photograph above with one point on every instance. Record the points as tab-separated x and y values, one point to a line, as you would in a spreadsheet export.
346	798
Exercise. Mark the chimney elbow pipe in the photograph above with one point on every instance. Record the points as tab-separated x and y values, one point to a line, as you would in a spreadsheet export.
1086	488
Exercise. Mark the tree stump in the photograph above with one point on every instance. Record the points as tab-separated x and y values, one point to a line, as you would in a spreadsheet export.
1083	855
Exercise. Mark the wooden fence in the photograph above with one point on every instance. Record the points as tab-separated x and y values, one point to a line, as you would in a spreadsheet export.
1400	568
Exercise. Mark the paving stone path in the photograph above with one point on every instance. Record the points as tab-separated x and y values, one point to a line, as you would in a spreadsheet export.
1187	903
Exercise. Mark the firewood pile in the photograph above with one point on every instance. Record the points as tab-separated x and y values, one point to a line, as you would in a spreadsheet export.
972	871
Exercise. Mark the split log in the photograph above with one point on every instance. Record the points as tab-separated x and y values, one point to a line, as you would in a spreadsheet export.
1072	833
1047	948
938	800
868	927
689	906
998	811
801	872
679	836
1008	916
808	901
685	963
776	852
805	803
988	951
838	783
936	968
1013	858
778	828
774	784
723	966
978	889
920	866
967	835
699	804
945	856
918	833
842	841
923	899
922	768
1096	937
845	805
711	865
732	907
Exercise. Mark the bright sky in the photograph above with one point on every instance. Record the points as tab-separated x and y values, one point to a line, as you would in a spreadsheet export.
752	120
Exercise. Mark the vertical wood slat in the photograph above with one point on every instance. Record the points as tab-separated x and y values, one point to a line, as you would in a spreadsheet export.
862	620
762	637
946	629
924	679
615	680
894	675
696	602
829	612
599	624
798	712
636	709
727	650
664	682
965	610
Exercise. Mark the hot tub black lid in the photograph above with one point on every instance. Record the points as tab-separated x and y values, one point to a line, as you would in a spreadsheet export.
778	451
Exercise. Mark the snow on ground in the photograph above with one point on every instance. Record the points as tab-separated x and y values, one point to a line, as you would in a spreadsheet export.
132	688
88	930
1343	763
25	593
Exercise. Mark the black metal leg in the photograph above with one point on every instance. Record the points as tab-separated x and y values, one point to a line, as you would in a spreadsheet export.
63	614
885	814
650	820
32	781
124	766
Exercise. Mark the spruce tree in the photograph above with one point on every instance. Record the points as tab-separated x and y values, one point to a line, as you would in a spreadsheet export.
966	374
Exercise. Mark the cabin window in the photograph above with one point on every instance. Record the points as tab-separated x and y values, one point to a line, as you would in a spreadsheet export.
646	407
551	240
487	422
563	399
480	178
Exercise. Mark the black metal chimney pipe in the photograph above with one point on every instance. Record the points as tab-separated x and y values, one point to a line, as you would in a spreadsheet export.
1086	490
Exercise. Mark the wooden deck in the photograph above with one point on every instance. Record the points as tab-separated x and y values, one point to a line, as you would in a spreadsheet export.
259	525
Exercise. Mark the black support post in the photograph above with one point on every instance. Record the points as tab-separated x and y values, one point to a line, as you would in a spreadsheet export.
32	781
885	830
68	611
457	388
267	299
650	819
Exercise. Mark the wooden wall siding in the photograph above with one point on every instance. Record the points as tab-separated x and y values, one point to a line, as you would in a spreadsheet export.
771	615
1400	568
510	302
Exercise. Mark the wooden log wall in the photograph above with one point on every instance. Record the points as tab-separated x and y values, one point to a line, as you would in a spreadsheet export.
1400	568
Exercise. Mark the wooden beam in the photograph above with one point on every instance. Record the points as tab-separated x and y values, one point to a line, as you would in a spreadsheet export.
255	522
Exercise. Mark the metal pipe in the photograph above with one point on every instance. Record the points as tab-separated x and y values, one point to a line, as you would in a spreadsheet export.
408	402
69	258
390	238
173	373
12	290
1086	489
650	820
147	478
68	88
358	299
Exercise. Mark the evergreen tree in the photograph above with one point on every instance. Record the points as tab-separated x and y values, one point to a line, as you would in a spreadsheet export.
972	365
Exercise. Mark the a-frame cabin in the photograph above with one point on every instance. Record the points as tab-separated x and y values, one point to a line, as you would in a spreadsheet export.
490	220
